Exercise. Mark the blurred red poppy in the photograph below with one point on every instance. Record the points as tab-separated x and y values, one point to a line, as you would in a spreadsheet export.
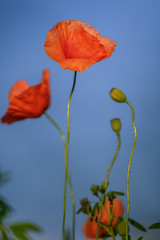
89	228
75	45
26	101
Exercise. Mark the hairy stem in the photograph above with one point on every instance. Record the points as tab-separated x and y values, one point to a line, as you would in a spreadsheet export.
129	167
106	183
67	151
69	179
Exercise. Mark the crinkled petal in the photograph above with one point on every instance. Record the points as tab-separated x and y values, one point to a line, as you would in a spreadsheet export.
70	41
76	64
31	103
18	88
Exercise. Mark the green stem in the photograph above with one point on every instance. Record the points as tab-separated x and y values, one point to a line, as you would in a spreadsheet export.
67	151
69	179
107	183
111	229
129	166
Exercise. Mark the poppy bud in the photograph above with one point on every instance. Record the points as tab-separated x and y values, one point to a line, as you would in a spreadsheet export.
117	95
94	190
102	187
86	207
116	125
122	228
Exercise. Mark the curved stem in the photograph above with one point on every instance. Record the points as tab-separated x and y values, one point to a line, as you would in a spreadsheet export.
67	150
107	183
69	179
129	166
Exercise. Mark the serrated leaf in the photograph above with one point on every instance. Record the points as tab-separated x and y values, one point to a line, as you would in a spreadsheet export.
118	193
140	238
137	225
155	226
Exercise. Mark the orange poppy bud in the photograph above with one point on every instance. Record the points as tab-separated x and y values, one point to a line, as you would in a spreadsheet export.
90	228
75	45
26	101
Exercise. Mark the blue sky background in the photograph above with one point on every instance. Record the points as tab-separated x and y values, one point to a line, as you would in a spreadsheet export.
32	149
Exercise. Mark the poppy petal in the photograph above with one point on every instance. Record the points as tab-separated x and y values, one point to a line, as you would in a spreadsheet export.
18	88
76	45
30	103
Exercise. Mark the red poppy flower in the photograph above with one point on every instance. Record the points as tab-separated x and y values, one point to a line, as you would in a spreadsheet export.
90	228
75	45
26	101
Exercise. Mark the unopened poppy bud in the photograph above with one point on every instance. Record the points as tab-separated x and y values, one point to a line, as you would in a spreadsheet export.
117	95
94	190
102	187
122	228
86	207
111	196
116	125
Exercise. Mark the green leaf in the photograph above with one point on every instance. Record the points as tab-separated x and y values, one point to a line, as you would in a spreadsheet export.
79	210
94	209
20	229
155	226
25	226
5	209
118	193
137	225
21	236
140	238
3	233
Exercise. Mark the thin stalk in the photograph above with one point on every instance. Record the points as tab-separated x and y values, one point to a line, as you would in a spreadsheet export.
67	151
69	179
111	229
129	166
106	183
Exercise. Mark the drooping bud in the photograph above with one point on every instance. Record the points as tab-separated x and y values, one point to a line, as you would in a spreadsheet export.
116	124
117	95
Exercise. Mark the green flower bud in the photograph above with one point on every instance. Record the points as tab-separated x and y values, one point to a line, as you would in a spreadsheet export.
116	125
86	207
122	228
94	190
111	196
117	95
102	187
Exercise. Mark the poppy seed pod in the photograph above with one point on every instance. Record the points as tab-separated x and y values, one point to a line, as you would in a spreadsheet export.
117	95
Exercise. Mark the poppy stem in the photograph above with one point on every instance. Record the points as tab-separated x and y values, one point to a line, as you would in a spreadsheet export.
107	183
69	179
66	173
129	166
